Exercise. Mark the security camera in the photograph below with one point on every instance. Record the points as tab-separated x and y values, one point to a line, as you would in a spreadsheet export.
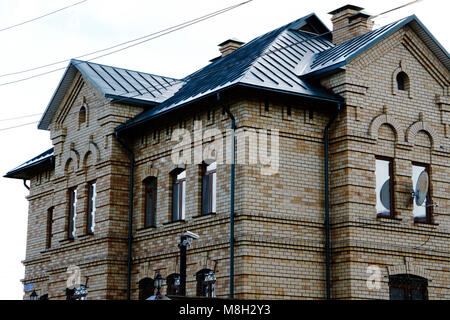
191	235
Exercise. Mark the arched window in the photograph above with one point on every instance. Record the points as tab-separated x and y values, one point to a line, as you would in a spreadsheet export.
173	284
402	81
408	287
146	288
150	202
209	178
82	115
206	283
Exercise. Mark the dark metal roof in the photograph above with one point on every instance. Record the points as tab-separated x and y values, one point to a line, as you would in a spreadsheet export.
269	62
338	56
114	83
25	171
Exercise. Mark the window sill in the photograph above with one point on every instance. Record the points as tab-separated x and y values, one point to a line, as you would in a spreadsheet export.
205	215
66	241
173	222
85	235
425	222
146	228
382	217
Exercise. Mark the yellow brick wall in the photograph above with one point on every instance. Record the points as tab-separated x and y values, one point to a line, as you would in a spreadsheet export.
279	218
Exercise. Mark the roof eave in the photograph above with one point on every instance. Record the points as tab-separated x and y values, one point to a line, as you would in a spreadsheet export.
26	172
128	126
41	125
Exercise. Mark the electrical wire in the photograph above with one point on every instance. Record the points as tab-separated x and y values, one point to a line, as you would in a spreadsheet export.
150	36
397	8
193	76
149	89
18	126
21	117
42	16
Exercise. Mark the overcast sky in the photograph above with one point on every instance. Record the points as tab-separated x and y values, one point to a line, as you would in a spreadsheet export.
98	24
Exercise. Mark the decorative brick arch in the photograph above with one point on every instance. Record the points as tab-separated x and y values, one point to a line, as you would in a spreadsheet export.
377	122
66	164
151	171
91	149
181	166
409	268
73	155
421	125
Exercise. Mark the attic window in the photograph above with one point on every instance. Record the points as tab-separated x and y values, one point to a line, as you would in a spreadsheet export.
402	81
82	116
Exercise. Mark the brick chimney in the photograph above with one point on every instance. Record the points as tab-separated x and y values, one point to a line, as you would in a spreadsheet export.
229	46
349	22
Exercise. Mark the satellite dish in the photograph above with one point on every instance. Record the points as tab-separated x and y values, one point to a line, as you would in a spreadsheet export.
421	191
385	194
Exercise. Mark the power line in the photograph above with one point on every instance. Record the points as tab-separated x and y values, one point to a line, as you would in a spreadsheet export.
181	26
148	37
249	58
150	89
21	117
42	16
18	126
397	8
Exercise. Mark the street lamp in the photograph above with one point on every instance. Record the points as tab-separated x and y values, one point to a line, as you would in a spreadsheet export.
158	283
33	295
185	241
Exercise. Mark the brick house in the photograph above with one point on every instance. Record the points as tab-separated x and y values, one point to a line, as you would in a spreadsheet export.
368	109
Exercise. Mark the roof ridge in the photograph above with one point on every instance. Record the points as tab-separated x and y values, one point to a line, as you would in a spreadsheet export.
266	49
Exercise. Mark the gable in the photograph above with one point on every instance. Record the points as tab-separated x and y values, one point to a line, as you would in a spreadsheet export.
80	95
133	87
403	51
339	56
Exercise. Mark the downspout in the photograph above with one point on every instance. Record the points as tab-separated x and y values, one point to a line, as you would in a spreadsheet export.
232	174
130	214
327	204
25	184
